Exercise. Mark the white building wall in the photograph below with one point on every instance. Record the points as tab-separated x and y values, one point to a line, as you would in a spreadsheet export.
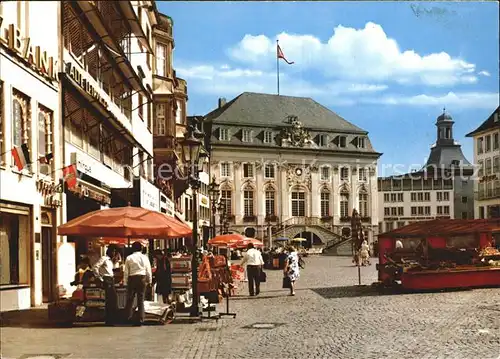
16	187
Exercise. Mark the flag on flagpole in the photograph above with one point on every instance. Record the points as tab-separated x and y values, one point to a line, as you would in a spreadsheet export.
21	156
281	55
69	174
46	159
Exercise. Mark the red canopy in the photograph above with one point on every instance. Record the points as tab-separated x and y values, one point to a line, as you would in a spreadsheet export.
226	240
125	222
121	241
246	241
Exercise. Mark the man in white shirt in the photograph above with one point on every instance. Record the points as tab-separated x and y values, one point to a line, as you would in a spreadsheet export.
136	276
253	260
103	270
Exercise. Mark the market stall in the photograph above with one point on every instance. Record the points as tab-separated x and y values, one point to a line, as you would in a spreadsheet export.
439	254
124	225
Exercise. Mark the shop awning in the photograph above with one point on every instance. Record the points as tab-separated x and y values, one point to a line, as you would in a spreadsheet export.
133	20
445	227
95	22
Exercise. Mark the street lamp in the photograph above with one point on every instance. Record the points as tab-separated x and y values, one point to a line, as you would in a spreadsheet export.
213	192
191	146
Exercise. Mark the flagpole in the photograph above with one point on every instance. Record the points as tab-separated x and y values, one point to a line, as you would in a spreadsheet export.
277	67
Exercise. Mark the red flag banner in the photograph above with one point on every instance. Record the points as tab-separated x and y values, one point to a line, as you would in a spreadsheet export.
21	156
69	174
282	56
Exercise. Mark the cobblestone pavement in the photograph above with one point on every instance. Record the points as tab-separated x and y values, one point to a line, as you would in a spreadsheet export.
330	317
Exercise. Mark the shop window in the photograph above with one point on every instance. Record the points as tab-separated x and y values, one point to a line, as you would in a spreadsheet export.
14	256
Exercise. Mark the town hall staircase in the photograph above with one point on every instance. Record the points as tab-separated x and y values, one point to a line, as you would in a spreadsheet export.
333	243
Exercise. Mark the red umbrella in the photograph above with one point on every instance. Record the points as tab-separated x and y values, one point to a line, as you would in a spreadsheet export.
226	240
246	241
125	222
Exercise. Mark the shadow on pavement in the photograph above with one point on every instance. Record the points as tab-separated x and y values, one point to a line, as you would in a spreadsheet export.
353	291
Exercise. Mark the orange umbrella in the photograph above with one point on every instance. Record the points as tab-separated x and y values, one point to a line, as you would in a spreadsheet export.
246	241
225	240
125	222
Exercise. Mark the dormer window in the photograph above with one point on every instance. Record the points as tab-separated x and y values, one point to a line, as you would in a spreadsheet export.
361	142
246	136
322	140
342	141
268	137
224	134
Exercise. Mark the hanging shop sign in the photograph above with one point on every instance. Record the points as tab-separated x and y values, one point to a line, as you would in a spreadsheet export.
149	195
52	201
204	200
84	191
35	56
48	188
85	83
166	205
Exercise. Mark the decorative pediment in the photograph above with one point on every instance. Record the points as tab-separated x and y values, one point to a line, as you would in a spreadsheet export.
363	189
295	135
344	188
299	175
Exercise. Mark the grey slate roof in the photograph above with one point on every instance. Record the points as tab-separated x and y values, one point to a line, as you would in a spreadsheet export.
269	110
489	124
444	155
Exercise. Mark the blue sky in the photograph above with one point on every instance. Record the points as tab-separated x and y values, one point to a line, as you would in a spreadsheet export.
388	67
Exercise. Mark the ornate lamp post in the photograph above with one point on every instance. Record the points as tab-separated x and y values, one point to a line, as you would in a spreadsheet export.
191	145
213	192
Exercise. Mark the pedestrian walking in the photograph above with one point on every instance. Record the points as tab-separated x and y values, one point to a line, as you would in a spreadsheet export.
103	270
163	275
253	260
292	268
365	253
137	276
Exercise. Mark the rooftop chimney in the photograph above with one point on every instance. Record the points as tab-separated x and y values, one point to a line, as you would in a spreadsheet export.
222	101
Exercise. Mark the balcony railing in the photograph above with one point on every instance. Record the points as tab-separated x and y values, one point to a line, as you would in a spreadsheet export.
488	194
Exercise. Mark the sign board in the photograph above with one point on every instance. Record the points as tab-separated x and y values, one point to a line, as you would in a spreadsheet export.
149	194
166	205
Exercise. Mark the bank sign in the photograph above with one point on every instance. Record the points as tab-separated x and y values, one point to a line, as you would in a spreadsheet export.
35	56
149	195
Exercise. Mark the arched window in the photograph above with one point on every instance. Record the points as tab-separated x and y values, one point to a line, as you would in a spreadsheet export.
248	202
270	201
298	203
344	203
17	123
363	203
226	199
325	203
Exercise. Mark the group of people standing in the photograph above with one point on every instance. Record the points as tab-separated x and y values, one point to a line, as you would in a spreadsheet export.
255	263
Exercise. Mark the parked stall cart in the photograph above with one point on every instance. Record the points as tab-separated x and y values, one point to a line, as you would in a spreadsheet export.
440	254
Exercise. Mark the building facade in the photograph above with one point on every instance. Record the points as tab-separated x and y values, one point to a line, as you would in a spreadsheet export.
487	159
291	167
442	189
30	202
77	101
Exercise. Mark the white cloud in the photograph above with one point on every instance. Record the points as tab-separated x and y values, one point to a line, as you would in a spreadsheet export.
366	54
484	73
230	82
484	100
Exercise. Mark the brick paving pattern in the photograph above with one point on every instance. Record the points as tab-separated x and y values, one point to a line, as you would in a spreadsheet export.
330	317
